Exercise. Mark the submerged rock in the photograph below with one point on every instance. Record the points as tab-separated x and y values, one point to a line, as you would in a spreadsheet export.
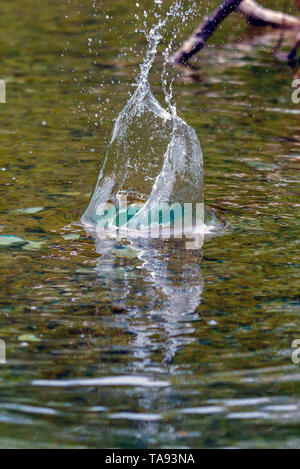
260	165
28	338
11	241
33	245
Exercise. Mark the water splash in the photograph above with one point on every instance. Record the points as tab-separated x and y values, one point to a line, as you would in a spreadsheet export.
154	156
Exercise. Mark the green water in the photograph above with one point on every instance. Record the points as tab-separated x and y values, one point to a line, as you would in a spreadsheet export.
99	350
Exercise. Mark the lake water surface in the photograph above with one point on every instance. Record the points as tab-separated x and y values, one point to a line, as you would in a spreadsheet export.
157	346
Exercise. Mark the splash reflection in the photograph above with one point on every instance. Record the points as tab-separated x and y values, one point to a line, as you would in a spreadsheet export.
158	285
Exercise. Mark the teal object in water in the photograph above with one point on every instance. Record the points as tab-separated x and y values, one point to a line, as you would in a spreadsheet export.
11	241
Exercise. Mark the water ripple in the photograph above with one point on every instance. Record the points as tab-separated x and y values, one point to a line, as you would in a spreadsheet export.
142	381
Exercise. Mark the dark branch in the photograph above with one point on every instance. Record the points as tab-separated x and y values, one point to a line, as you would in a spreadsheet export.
199	38
254	13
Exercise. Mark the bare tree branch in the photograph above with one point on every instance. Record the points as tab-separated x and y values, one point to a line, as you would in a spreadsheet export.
260	16
254	13
199	38
291	57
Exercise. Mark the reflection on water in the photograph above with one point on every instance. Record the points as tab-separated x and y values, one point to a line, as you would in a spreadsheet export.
168	295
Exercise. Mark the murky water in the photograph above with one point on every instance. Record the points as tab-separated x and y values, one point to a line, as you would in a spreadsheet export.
151	346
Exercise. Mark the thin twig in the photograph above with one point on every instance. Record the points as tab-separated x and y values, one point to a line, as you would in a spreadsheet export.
281	38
